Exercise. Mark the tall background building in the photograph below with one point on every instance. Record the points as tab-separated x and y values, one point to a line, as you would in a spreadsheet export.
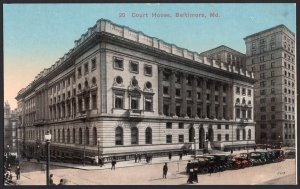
271	56
10	129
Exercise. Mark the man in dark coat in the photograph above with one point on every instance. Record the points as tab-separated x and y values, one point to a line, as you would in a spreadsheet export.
18	172
170	156
51	179
140	157
135	157
165	170
180	155
113	163
188	167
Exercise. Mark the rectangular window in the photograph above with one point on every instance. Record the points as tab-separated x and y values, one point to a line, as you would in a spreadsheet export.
237	90
216	98
198	95
79	74
166	109
237	113
134	67
178	110
94	64
148	104
219	126
249	92
177	92
262	83
169	125
272	64
262	67
272	73
272	82
263	117
169	139
189	94
148	70
134	103
86	68
262	75
181	125
119	101
166	90
224	99
249	114
207	96
227	137
219	137
273	91
226	126
94	101
243	91
272	108
180	138
118	63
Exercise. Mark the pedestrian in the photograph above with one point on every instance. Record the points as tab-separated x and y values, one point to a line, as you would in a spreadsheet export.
188	167
18	172
210	170
151	155
61	182
97	160
140	157
195	175
190	178
135	157
113	163
101	161
9	167
254	148
165	170
231	151
180	156
51	179
170	156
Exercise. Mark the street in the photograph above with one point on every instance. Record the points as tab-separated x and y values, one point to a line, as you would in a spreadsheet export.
151	174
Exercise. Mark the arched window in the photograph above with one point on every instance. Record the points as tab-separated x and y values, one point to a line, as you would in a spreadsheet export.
134	135
237	101
237	134
94	81
249	102
79	86
191	134
119	136
63	135
148	134
244	101
80	136
249	134
87	136
68	135
54	138
74	139
244	134
94	136
86	84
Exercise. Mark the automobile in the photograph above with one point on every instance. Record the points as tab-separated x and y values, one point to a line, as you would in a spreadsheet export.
290	154
279	155
204	164
223	162
258	157
241	162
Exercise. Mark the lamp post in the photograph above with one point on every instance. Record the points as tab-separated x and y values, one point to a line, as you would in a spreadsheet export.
47	140
248	143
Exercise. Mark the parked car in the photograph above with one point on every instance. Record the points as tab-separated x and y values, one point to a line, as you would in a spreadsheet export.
290	154
279	155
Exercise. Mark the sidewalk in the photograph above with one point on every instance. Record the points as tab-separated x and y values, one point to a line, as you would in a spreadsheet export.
131	163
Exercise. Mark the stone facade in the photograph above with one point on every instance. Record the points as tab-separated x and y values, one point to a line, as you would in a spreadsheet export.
127	92
10	129
271	56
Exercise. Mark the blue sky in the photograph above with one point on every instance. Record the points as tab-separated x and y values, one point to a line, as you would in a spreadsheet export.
37	35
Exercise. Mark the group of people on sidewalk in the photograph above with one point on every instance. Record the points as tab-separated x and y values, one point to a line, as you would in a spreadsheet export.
8	176
138	157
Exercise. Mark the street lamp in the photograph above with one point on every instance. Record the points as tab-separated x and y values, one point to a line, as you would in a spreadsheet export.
98	142
248	143
47	140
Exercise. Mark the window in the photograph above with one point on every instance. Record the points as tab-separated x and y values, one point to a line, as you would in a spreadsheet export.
272	64
166	90
262	75
95	136
166	109
237	90
273	116
272	56
272	73
74	134
273	99
119	80
273	82
148	104
249	92
272	108
226	126
263	109
216	98
263	126
169	125
207	96
262	67
94	81
180	138
119	100
87	136
86	68
237	134
79	74
94	64
134	67
177	92
227	137
263	117
198	95
249	114
148	85
181	125
94	101
166	76
80	136
224	99
253	68
219	137
148	134
134	135
262	92
169	139
134	103
178	110
273	91
238	113
118	63
219	126
262	83
148	70
119	136
243	91
189	94
178	78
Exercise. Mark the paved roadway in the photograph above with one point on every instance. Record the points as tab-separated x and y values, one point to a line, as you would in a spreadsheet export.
151	174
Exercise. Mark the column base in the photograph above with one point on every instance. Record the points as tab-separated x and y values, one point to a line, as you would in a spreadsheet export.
174	116
197	117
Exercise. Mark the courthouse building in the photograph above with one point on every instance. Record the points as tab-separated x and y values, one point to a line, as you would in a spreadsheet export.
125	92
271	56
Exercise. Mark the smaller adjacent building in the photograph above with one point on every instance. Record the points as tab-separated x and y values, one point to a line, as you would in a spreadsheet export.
227	55
10	129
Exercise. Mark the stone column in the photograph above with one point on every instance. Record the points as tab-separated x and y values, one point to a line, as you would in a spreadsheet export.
172	94
71	108
221	101
194	96
90	97
212	99
204	104
160	90
229	104
183	85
